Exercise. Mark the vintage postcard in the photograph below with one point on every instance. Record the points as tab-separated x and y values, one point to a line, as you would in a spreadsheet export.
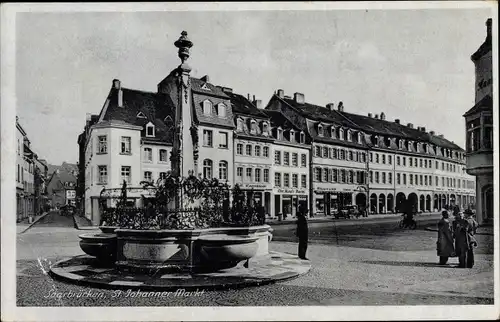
249	161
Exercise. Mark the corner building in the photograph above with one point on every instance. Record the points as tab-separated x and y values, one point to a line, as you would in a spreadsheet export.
479	130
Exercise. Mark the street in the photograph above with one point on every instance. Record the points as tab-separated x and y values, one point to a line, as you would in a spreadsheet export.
353	263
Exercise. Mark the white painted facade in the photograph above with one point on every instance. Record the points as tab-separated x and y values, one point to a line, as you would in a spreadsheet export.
289	179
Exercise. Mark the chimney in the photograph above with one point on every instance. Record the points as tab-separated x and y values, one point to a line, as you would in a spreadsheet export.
376	116
254	98
382	116
248	96
419	128
298	98
422	129
330	106
432	132
206	79
118	85
281	93
341	106
257	103
370	115
410	125
488	28
397	121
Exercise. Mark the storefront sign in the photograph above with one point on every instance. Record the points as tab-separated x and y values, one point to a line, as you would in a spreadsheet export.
321	190
253	186
291	191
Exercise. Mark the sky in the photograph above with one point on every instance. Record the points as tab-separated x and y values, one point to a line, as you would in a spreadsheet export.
410	64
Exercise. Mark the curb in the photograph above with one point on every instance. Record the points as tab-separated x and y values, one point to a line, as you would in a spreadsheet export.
34	222
75	222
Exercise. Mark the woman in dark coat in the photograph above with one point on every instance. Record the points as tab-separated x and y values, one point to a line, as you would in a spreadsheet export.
302	232
445	247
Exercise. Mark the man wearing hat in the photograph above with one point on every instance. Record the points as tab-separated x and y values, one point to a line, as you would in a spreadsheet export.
302	232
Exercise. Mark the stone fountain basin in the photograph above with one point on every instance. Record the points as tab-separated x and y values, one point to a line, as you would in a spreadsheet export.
100	245
228	247
108	229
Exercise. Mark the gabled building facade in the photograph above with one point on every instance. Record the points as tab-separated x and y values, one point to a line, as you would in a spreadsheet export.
479	130
252	148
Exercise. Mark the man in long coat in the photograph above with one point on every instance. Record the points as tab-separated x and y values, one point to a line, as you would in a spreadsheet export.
445	247
465	242
302	232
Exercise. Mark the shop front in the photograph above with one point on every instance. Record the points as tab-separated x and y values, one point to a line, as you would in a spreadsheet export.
288	201
258	194
328	200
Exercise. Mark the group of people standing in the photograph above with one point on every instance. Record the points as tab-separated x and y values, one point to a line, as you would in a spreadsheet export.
456	238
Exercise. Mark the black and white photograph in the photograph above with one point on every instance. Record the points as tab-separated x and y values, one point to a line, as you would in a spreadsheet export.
249	161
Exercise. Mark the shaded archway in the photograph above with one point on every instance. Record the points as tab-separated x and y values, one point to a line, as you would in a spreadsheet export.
400	200
428	203
453	199
443	201
436	203
373	203
413	201
361	200
390	202
422	203
381	203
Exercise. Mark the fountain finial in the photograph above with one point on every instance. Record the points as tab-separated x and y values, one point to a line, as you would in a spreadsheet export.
183	43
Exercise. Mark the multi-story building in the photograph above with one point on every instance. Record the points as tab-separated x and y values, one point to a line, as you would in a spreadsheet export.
291	152
479	130
290	175
61	186
129	141
28	185
252	150
355	156
338	157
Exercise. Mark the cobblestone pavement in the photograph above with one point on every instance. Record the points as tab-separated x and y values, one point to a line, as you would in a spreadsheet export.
353	273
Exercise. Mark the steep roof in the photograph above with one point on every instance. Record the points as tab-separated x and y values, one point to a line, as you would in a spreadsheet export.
154	106
240	104
319	113
485	104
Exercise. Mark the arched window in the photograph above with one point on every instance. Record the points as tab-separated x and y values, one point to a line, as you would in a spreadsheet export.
223	170
341	134
292	136
302	137
221	110
253	127
332	132
320	130
207	169
359	137
265	129
349	135
207	107
280	133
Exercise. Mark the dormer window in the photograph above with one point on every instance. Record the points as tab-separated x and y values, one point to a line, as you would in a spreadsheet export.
320	130
253	127
279	134
150	130
292	136
349	135
302	137
239	124
207	107
265	129
376	140
141	115
205	87
332	132
221	110
341	134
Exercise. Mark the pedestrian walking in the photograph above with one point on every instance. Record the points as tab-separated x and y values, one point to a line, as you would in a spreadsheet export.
465	242
445	247
302	232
